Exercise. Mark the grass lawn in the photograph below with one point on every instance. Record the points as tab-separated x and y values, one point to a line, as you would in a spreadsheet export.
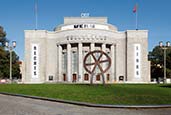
127	94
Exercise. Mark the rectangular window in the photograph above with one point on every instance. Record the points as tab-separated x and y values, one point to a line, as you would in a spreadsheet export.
74	61
64	62
35	63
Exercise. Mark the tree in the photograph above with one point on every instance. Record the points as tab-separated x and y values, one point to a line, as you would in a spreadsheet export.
5	58
2	37
157	62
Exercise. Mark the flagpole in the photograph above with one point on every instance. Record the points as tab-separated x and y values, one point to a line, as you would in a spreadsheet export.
136	18
36	15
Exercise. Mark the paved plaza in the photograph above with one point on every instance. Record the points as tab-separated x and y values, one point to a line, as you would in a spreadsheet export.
11	105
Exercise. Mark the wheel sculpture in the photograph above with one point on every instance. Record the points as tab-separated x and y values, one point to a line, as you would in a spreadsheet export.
97	61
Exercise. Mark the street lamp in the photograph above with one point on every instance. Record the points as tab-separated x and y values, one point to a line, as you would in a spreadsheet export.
164	47
10	48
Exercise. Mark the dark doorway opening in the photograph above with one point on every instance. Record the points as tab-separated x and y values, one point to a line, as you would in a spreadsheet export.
108	77
98	77
74	77
86	77
64	77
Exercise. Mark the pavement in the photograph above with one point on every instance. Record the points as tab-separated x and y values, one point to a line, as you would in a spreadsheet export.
14	105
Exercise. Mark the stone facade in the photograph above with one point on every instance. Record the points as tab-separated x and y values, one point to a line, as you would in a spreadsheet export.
57	56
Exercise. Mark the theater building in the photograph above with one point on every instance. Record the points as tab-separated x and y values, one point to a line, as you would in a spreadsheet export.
57	56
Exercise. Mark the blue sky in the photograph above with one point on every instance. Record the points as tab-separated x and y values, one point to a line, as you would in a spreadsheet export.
153	15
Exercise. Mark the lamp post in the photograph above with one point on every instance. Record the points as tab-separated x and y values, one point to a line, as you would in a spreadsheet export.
164	47
10	48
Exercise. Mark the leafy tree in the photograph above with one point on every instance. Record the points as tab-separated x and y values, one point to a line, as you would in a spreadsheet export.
157	62
5	59
2	37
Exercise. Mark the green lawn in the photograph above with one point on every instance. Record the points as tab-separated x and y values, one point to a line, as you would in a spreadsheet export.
109	94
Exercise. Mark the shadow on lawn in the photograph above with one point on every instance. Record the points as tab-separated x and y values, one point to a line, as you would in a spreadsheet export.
95	85
166	86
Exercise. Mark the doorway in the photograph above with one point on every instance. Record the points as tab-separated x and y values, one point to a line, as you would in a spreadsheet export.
74	77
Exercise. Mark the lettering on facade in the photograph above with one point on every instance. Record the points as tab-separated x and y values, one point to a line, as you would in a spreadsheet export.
85	14
84	26
35	60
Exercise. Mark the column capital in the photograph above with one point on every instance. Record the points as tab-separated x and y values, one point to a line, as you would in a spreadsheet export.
68	46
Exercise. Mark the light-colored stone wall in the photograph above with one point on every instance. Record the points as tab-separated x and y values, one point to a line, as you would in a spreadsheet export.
122	44
137	37
70	20
35	37
51	59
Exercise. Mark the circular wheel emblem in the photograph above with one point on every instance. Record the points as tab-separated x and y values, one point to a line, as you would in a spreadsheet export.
96	59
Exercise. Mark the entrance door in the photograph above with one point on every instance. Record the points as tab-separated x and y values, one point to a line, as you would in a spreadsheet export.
86	77
108	77
64	77
98	77
74	77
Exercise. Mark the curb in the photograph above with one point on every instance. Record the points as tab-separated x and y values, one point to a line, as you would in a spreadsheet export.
89	104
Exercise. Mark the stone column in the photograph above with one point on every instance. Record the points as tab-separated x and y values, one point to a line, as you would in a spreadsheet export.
80	63
60	63
103	58
112	75
92	48
69	75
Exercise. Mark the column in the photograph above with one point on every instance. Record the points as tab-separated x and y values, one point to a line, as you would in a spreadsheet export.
91	46
80	63
60	63
92	49
69	63
112	78
115	58
103	58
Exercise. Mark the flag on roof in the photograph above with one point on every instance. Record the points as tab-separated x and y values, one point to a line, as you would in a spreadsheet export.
135	8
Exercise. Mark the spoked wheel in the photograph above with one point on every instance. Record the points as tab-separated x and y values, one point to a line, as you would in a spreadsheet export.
99	57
